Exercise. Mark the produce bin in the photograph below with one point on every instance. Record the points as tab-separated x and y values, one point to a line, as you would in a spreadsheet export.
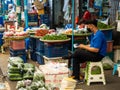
55	49
40	58
16	52
1	40
32	45
39	46
33	55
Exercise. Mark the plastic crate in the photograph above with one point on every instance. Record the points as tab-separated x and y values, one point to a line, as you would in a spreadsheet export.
17	44
16	52
33	56
32	44
27	41
40	58
39	46
45	22
108	34
55	50
23	56
44	16
44	19
1	40
2	20
32	17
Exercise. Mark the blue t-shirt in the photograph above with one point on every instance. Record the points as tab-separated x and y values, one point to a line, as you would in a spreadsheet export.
98	40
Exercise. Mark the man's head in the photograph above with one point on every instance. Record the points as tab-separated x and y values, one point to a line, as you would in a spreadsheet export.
91	24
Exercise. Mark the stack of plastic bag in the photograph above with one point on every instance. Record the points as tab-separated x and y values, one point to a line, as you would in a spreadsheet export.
28	71
15	67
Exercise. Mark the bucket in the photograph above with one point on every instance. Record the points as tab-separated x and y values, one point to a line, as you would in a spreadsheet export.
109	46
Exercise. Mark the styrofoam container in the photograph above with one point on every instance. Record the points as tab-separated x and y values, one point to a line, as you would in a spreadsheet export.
116	55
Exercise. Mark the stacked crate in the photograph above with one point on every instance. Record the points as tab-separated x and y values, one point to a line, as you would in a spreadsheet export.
17	48
1	40
32	47
39	51
55	49
44	19
32	19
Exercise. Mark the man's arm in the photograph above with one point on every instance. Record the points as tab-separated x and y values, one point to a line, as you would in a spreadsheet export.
87	47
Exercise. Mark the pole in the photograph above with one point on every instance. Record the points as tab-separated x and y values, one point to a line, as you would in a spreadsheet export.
19	13
26	13
73	22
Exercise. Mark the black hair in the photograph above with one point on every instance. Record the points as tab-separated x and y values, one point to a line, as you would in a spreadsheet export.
94	22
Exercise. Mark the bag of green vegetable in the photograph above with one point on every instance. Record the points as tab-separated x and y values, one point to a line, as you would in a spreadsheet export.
28	66
13	68
38	76
23	83
11	75
15	71
15	78
37	85
22	88
20	84
17	59
28	75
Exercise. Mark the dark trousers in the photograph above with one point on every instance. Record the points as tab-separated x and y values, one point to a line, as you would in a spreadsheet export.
81	56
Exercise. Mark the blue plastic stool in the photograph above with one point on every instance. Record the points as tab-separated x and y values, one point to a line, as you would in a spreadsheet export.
115	68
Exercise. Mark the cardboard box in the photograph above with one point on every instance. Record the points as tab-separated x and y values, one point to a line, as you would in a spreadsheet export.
38	4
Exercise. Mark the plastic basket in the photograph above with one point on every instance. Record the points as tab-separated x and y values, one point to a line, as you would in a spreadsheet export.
39	46
33	55
32	17
1	40
32	44
55	50
108	34
16	52
40	58
44	16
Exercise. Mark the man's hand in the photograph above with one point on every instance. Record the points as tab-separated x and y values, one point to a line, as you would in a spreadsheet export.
76	45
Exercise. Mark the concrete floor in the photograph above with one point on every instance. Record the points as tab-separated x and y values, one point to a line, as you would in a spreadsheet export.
112	82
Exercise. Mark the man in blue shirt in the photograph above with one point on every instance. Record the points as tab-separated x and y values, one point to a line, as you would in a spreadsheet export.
94	52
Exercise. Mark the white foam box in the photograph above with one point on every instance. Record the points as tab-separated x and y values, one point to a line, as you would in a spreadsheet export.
54	73
116	55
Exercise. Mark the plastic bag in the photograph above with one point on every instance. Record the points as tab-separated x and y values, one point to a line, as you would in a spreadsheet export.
107	63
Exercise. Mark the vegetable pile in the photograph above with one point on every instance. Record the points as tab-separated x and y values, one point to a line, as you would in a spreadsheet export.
37	83
17	70
41	32
103	26
55	37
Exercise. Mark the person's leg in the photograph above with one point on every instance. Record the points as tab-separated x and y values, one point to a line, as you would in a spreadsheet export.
81	56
